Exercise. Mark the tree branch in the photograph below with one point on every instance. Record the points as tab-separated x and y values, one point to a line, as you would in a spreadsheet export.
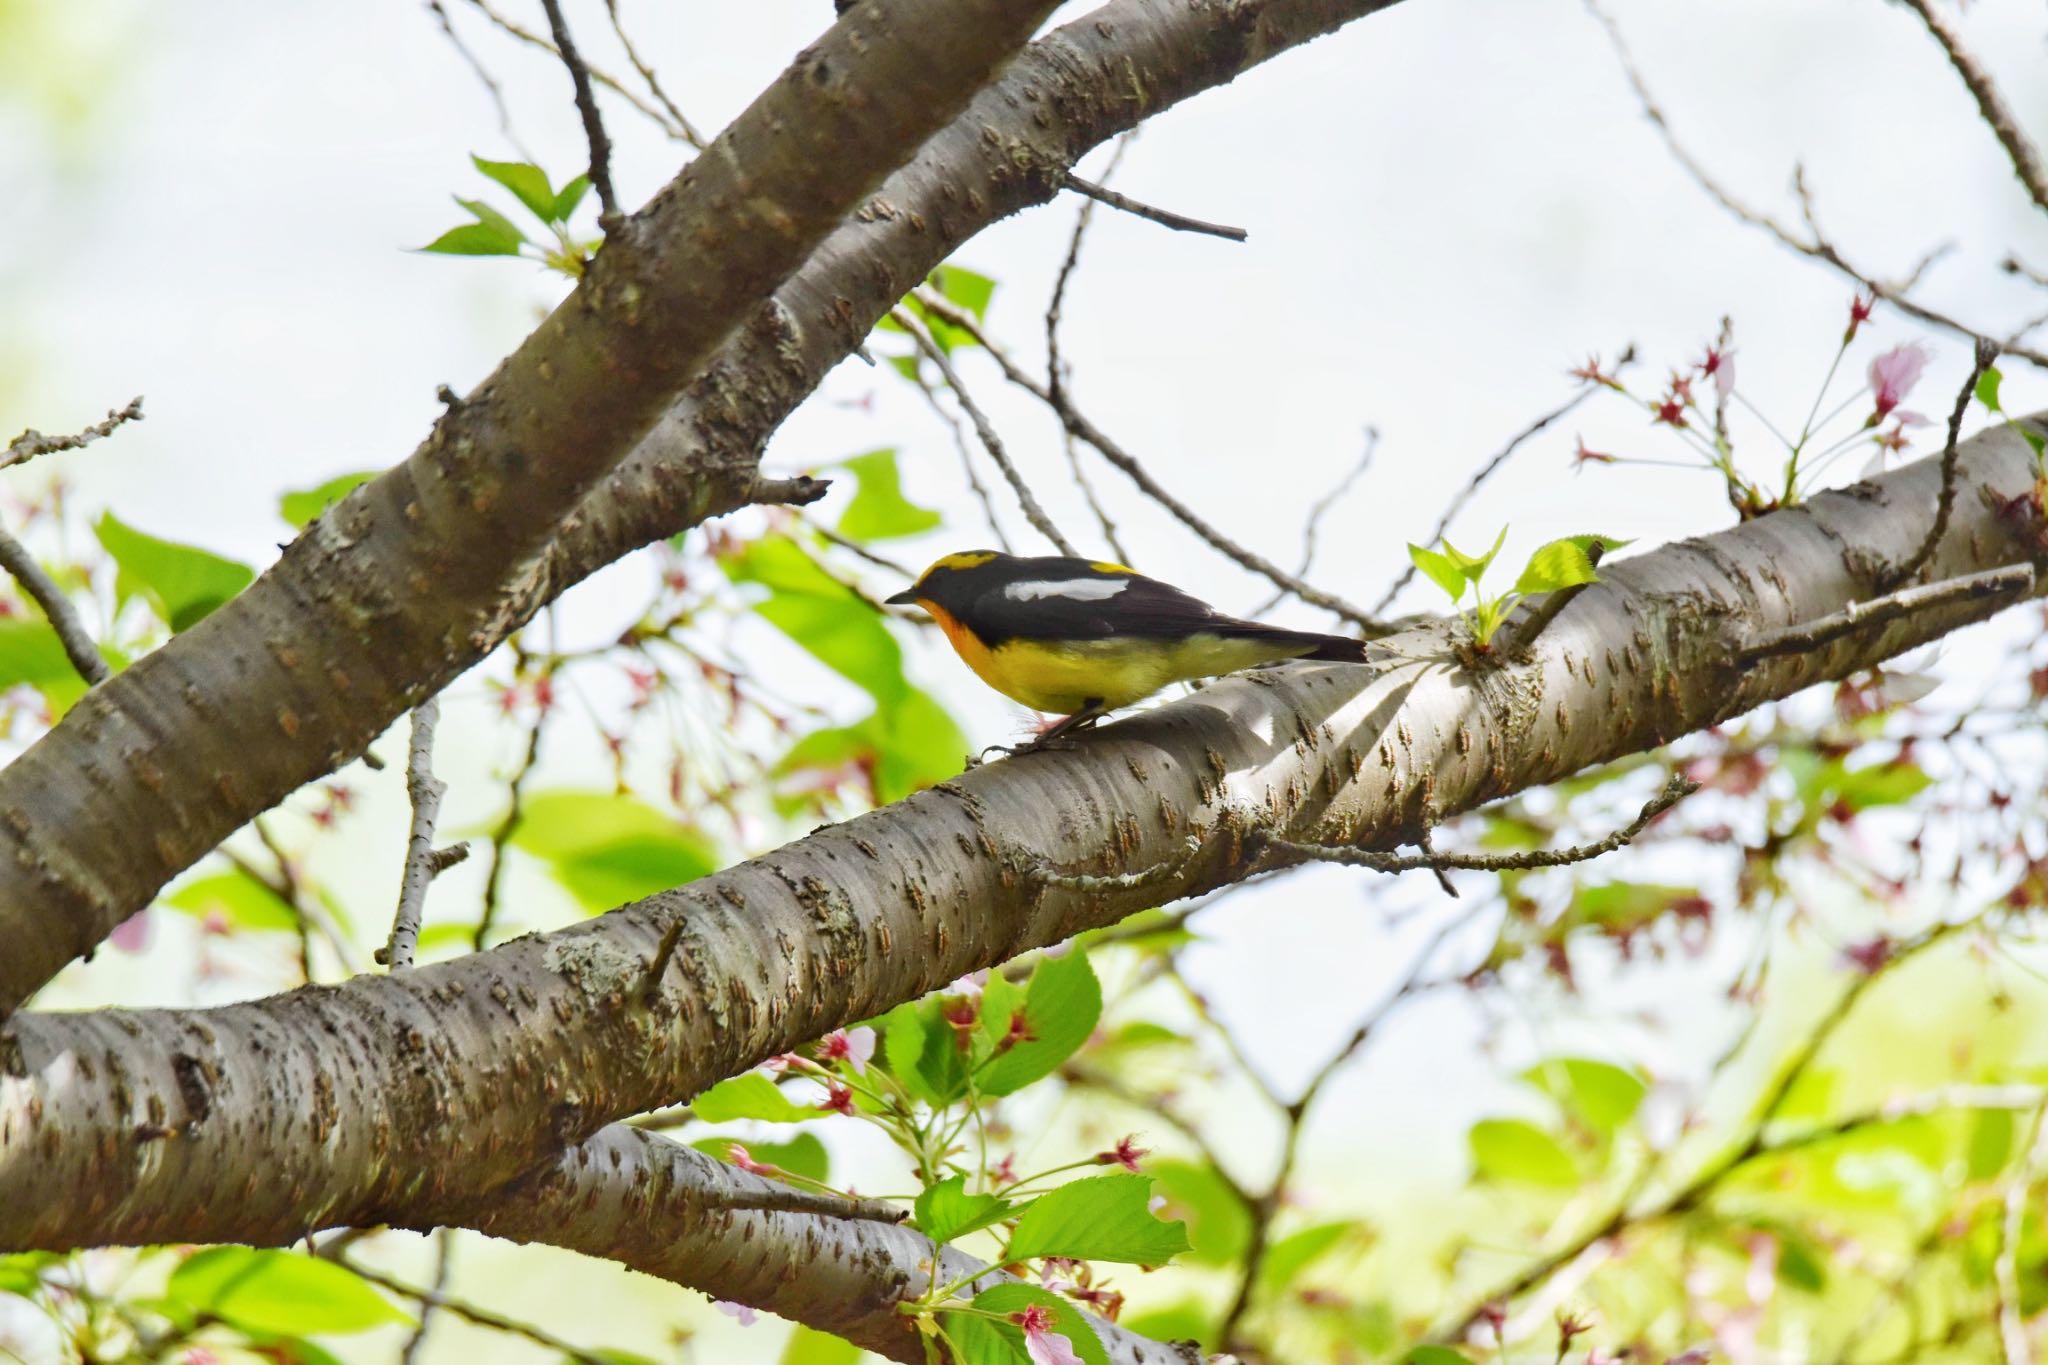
2026	161
593	122
415	575
1178	222
1985	353
423	862
32	443
42	589
1985	592
308	1089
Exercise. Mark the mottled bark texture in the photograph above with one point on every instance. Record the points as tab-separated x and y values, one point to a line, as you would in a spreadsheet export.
353	1103
413	577
670	1211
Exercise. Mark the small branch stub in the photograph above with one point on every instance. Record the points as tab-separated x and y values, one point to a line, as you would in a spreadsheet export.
423	862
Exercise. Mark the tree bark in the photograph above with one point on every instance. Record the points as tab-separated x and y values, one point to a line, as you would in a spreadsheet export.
353	1103
391	594
669	1211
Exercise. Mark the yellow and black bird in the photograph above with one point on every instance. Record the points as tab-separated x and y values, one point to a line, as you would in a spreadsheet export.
1079	638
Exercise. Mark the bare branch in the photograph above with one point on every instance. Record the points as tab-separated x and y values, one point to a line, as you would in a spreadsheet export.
1819	249
1054	366
1316	513
593	122
1991	589
490	84
1487	471
16	559
422	860
1986	352
1676	790
1178	222
1088	432
682	121
482	1317
32	443
2026	161
612	83
990	441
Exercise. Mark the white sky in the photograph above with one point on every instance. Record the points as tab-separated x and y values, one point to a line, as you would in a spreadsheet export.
1449	204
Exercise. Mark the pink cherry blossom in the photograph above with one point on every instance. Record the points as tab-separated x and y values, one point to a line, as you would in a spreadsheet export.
131	935
852	1046
1041	1343
1893	375
747	1316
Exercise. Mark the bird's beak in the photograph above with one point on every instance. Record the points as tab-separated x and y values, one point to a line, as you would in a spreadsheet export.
906	598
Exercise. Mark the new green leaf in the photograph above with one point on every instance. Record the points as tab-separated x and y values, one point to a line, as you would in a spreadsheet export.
946	1211
528	182
750	1095
1060	1009
182	582
279	1292
1101	1218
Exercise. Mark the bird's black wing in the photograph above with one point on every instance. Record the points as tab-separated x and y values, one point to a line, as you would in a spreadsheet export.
1091	607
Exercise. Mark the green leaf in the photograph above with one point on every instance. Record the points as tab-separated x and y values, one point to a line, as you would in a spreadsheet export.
182	582
565	204
1599	1094
1564	563
802	1155
279	1292
1219	1225
1473	569
491	218
966	288
1441	571
527	182
1287	1258
918	1046
879	511
821	614
809	1346
1991	1142
1881	784
1435	1355
1060	1009
236	896
300	508
1518	1151
1004	1299
31	653
1987	388
1100	1218
608	848
946	1211
750	1095
475	239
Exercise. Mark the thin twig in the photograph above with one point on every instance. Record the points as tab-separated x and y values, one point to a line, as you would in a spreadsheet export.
2013	265
461	1308
1950	457
1708	1177
609	217
444	1249
1055	365
32	443
1819	249
682	121
1488	470
1045	873
16	559
1088	432
1991	589
490	84
1295	1114
2026	161
422	860
1177	221
609	82
2012	1322
854	547
990	441
501	833
1676	790
1320	509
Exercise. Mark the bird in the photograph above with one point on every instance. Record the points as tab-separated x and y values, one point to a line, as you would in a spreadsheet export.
1081	637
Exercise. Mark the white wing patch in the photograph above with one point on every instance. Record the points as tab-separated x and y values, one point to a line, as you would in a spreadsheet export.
1080	589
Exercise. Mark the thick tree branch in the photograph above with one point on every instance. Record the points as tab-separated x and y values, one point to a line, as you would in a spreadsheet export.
668	1210
415	575
257	1121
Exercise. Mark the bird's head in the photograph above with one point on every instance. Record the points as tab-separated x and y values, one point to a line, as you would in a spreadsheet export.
949	580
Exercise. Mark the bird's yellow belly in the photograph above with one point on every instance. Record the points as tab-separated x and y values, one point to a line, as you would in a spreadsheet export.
1065	676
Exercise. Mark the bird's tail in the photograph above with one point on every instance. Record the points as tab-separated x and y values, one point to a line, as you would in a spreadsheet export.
1304	645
